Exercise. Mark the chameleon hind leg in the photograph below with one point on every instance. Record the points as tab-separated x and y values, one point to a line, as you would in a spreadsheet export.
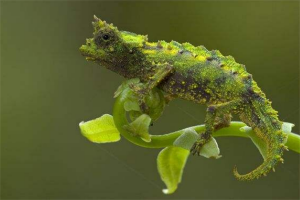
217	117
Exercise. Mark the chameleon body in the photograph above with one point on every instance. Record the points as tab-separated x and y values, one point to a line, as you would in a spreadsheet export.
195	74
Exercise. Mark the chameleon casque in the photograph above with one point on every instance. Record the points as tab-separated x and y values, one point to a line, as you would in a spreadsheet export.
195	74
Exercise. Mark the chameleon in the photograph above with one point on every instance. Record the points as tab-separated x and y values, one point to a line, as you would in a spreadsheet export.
195	74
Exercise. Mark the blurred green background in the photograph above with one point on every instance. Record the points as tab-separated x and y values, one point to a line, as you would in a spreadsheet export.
47	88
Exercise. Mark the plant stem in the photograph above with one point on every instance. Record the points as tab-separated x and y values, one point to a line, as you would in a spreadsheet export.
161	141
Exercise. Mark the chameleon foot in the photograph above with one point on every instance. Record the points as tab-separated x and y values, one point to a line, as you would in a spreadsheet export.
196	148
141	93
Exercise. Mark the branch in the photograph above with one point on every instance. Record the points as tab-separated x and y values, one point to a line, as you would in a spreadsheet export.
161	141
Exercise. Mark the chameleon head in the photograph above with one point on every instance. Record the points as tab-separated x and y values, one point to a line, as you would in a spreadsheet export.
106	40
112	48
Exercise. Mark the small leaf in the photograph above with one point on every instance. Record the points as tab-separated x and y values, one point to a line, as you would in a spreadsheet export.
134	114
211	149
131	106
139	127
170	162
156	102
287	127
187	139
100	130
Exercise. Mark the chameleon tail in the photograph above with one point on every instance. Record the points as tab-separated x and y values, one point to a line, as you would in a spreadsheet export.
275	152
263	120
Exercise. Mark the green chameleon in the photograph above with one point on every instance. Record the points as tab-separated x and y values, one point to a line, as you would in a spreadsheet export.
195	74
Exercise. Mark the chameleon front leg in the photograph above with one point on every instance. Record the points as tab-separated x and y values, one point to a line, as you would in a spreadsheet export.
161	72
217	116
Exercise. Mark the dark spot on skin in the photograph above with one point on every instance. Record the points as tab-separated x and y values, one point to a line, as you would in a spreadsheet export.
213	58
174	86
261	99
209	58
253	95
222	65
247	79
199	91
214	55
220	81
185	52
211	109
234	72
250	91
255	118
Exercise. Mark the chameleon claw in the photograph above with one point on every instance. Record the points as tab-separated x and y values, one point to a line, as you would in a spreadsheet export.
140	92
197	146
195	149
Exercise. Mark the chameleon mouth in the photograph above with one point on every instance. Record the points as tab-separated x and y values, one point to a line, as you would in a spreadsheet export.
91	52
84	50
90	58
87	53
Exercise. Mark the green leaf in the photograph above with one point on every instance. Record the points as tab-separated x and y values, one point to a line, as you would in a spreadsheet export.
100	130
187	139
211	149
170	162
287	127
140	127
156	102
131	105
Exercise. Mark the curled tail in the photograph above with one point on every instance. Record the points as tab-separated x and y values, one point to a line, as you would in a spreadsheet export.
263	119
275	152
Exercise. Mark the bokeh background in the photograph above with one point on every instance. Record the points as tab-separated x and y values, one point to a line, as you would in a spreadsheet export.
47	88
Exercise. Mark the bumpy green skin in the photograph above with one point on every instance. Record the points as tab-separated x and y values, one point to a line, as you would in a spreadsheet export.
195	74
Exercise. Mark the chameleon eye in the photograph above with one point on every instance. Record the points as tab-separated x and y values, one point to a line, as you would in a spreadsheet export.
105	37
